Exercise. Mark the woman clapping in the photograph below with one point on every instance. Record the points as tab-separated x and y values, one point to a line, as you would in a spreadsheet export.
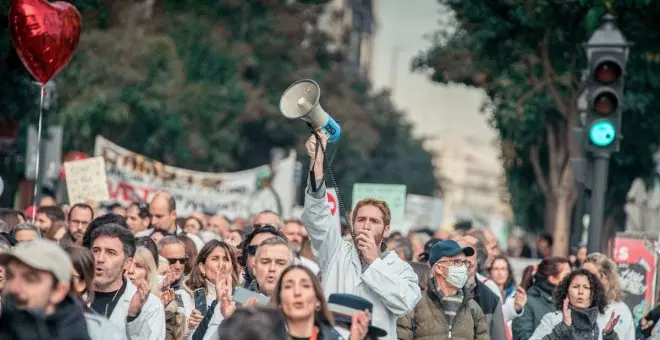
580	299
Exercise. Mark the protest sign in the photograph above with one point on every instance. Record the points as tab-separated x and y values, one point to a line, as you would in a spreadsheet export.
86	180
393	194
134	177
637	273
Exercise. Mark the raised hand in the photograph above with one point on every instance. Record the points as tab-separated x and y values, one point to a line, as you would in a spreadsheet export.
139	298
646	323
566	313
251	302
167	297
520	300
609	327
194	319
167	281
359	325
312	152
367	246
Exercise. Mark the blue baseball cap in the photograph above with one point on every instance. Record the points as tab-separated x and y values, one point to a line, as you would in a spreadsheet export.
447	248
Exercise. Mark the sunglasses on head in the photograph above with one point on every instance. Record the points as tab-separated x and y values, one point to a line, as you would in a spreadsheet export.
181	260
252	250
259	226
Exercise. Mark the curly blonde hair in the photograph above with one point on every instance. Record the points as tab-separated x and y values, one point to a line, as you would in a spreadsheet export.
610	272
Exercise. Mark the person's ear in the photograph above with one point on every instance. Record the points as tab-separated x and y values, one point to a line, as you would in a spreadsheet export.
437	270
59	293
202	269
386	231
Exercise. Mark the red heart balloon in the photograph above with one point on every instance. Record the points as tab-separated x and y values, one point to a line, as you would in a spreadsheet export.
44	35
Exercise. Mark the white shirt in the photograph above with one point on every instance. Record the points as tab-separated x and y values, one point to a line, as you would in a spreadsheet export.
150	323
625	329
189	306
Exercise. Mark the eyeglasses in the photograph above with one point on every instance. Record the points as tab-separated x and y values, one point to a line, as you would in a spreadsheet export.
457	263
252	250
181	260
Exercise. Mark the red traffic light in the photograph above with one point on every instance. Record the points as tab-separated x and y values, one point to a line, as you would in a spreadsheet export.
605	103
607	72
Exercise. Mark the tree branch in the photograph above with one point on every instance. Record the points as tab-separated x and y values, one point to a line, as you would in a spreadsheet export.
532	60
536	164
554	173
520	103
548	73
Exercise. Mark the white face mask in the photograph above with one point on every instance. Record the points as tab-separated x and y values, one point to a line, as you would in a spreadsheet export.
457	276
160	278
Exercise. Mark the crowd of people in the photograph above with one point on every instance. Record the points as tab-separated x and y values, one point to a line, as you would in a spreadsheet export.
144	272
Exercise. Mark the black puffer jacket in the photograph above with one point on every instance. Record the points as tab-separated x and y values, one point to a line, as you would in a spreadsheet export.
67	323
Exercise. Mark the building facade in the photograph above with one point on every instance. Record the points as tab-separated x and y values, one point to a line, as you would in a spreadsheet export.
352	26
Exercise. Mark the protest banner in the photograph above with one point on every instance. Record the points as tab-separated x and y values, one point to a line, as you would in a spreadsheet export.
86	180
134	177
637	273
393	194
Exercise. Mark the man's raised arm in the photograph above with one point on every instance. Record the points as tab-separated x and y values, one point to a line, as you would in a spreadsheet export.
317	218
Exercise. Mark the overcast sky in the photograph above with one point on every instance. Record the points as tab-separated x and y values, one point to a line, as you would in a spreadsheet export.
451	112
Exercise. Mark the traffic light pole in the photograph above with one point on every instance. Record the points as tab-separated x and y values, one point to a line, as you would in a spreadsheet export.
597	215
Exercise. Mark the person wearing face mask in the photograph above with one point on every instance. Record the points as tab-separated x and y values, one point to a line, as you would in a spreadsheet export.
447	303
486	297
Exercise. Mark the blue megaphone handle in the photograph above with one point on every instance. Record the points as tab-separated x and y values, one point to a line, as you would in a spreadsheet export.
332	129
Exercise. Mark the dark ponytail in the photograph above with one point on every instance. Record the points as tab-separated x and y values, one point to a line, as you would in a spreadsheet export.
528	277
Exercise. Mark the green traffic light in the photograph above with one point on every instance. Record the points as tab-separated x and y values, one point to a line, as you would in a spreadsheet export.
602	133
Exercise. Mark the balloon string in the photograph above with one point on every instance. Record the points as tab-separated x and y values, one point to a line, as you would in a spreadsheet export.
36	177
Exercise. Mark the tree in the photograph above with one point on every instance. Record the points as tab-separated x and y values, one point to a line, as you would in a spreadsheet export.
527	57
197	83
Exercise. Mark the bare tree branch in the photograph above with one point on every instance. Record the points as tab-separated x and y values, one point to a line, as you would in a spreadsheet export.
553	172
536	164
520	103
531	60
548	74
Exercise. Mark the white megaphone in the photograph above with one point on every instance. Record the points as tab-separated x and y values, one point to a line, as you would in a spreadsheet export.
301	100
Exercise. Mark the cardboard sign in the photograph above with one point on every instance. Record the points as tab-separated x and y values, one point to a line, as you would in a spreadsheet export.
393	194
86	180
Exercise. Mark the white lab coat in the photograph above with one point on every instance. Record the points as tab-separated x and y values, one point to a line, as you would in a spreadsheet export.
100	328
389	282
491	284
509	309
309	264
149	325
189	306
625	329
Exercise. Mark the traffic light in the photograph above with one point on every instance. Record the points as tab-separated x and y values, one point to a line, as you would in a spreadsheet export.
607	60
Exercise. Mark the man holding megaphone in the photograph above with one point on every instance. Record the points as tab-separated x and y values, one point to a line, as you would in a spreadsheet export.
363	267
